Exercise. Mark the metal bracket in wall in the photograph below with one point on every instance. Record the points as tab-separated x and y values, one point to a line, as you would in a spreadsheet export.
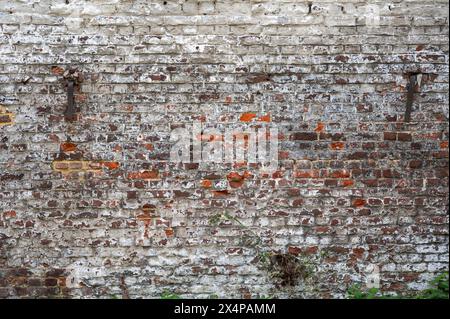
70	110
72	79
415	80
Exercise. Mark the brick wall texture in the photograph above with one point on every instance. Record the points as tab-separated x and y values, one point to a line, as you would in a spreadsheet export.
92	206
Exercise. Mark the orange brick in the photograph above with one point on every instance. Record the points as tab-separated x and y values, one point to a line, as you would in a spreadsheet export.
347	183
111	165
68	147
247	117
169	232
265	118
206	183
337	145
320	127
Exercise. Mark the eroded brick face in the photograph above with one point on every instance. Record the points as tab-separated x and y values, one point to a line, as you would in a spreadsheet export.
93	206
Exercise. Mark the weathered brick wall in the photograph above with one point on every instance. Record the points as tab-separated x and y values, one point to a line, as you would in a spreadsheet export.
92	206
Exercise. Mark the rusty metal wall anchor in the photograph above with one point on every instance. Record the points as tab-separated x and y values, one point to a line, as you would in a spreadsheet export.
70	110
415	80
72	80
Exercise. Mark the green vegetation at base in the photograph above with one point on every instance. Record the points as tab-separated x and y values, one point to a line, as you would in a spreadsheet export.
438	289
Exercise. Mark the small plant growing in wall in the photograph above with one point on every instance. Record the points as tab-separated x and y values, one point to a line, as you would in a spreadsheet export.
166	294
356	292
286	270
289	269
438	288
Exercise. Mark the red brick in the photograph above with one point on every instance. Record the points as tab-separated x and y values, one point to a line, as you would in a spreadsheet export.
5	118
359	202
144	175
340	174
304	136
390	136
258	78
415	164
404	137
